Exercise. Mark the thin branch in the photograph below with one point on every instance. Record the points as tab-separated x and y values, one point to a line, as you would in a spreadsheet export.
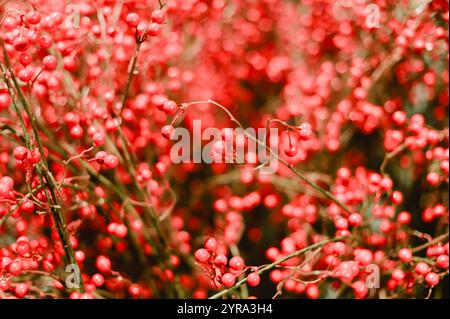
278	262
330	196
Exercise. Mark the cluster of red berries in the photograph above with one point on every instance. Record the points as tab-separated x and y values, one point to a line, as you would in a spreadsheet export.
216	263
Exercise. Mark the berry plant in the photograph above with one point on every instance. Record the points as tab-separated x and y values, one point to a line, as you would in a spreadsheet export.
93	204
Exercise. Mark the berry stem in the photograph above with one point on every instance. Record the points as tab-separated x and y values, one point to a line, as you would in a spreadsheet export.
290	166
431	243
278	262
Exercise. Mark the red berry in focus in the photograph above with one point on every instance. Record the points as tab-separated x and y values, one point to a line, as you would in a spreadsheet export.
228	280
253	279
132	20
202	255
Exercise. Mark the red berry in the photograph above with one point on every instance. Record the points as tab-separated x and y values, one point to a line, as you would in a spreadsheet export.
20	153
98	139
355	219
21	290
170	107
167	131
103	264
111	161
422	268
360	289
154	29
442	261
236	263
253	279
228	280
22	248
25	58
15	268
404	218
49	62
432	279
220	260
305	130
121	231
5	100
405	254
33	17
98	280
21	43
202	255
132	20
211	245
158	16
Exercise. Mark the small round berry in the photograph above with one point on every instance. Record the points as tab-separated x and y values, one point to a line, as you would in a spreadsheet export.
20	43
167	131
98	139
135	290
35	156
313	292
69	63
15	268
433	178
398	275
22	248
33	17
103	264
27	206
399	117
305	131
253	279
170	107
228	280
25	58
404	218
220	260
158	16
397	197
20	153
49	62
339	248
45	41
422	268
121	231
5	101
76	132
405	254
236	263
132	20
100	156
98	280
291	150
21	290
442	261
355	219
111	161
154	29
24	75
202	255
341	223
432	279
211	245
360	289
